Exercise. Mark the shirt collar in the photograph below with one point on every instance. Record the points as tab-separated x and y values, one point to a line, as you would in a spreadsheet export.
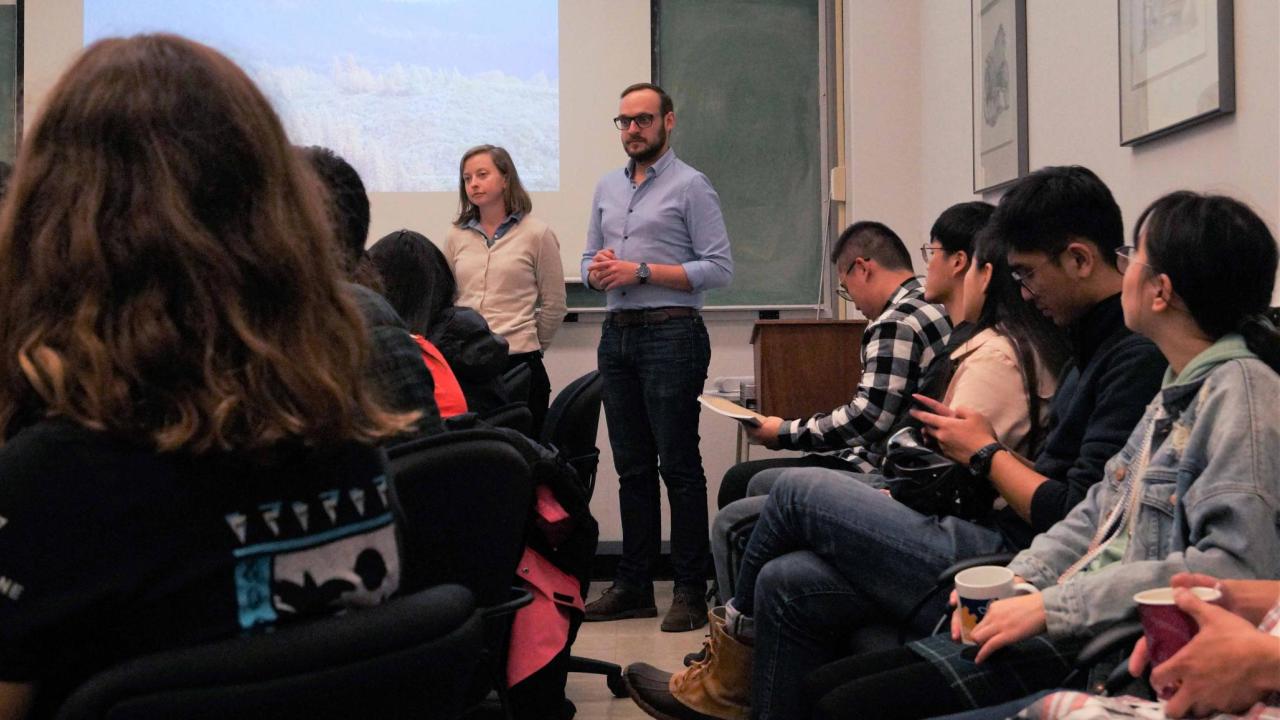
658	168
512	219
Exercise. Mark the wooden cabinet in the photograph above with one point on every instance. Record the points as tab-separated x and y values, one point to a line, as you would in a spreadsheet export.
806	366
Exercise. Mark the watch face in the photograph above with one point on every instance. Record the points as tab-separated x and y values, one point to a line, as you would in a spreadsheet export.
642	271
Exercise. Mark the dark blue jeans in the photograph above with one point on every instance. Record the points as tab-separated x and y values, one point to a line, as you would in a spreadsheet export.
653	375
829	554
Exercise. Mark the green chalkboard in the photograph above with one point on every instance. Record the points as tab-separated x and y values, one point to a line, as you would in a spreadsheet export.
745	78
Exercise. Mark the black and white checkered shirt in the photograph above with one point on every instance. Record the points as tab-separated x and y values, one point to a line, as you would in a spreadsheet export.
896	347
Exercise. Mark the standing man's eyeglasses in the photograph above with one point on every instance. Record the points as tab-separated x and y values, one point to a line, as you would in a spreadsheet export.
927	251
642	121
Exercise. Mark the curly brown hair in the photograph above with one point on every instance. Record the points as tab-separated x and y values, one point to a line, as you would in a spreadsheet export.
168	272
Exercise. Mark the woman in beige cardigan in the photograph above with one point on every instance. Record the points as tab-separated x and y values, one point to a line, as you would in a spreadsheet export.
507	264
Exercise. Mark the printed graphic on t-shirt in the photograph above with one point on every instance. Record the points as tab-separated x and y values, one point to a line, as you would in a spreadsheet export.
315	557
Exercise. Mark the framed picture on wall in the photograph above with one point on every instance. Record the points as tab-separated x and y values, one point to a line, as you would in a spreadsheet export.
10	78
1177	65
999	35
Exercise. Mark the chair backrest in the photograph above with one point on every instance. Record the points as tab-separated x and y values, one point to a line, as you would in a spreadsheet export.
513	416
571	425
408	658
517	382
462	501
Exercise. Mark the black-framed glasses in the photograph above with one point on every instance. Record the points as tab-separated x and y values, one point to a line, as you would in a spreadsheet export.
927	251
1024	277
642	121
841	289
1124	258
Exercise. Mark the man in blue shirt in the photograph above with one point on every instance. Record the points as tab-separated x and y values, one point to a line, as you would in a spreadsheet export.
655	242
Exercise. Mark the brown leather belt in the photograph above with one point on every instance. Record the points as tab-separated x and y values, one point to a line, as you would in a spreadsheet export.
651	316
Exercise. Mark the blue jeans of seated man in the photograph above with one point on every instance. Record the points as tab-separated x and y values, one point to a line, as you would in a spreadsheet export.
828	556
739	516
652	376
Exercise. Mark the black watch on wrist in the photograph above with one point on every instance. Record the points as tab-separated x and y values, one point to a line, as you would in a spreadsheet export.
980	462
642	272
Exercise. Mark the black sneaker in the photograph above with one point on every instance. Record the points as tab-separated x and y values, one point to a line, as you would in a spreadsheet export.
620	603
688	611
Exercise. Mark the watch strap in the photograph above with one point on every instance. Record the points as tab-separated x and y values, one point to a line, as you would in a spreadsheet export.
980	462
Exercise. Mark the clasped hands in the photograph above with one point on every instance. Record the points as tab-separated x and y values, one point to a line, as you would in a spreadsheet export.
607	272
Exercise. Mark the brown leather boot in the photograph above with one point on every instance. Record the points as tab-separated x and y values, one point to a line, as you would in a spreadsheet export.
720	684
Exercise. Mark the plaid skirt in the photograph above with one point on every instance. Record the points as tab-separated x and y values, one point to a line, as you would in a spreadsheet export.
1018	670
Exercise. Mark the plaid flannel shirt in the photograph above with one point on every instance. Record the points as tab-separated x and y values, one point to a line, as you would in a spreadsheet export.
896	347
396	367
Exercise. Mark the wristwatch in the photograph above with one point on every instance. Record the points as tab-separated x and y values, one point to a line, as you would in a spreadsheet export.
980	462
642	272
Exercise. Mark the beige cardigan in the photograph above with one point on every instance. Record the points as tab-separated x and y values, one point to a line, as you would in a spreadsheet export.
988	378
506	282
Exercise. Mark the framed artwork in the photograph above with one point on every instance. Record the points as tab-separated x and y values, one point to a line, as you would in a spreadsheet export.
999	35
1177	65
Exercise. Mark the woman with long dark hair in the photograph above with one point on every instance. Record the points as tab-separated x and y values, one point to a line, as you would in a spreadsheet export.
1011	345
188	440
507	263
420	286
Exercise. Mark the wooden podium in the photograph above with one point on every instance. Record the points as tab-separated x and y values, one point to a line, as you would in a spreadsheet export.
806	366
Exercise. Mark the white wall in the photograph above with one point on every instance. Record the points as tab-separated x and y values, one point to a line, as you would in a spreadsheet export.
1072	108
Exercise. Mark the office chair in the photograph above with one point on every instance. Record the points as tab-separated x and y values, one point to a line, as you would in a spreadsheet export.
462	502
571	425
513	416
408	658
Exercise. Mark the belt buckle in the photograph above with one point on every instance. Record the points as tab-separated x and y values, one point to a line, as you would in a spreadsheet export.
654	317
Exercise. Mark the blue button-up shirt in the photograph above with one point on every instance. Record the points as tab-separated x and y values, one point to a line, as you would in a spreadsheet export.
672	218
507	223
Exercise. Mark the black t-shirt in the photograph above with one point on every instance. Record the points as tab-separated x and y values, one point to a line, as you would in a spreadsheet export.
109	551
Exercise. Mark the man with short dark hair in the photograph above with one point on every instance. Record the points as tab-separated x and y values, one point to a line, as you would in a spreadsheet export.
875	273
903	336
395	364
656	241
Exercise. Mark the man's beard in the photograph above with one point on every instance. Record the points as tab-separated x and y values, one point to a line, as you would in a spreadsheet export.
649	152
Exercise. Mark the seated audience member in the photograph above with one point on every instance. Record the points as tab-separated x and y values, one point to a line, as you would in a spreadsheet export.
871	556
997	341
183	387
397	367
418	283
1196	487
906	332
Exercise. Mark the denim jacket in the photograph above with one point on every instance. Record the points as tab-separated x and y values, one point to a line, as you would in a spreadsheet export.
1210	503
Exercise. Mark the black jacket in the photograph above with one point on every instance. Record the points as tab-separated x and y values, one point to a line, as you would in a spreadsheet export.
1114	375
477	356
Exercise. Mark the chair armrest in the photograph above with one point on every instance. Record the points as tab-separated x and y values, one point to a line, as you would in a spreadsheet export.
1120	635
945	580
519	598
948	576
